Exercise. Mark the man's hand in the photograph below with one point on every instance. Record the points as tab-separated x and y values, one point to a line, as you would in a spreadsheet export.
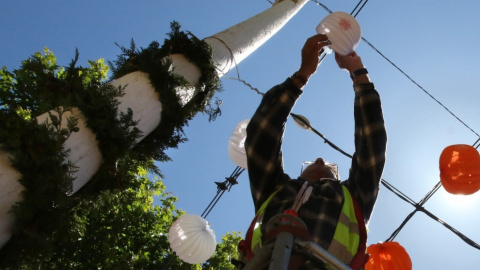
311	54
352	62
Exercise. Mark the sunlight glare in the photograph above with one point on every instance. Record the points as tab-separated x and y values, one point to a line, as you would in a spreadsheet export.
459	202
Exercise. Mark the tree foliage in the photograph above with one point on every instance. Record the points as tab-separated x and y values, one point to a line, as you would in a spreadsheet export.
112	222
116	230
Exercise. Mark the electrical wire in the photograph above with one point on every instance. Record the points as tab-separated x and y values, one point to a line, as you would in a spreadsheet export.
322	5
418	85
221	188
357	7
418	206
398	68
476	144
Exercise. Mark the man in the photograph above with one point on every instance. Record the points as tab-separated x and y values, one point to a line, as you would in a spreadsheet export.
336	212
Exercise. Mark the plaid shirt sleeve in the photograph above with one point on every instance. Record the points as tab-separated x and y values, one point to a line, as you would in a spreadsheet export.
264	140
370	148
265	135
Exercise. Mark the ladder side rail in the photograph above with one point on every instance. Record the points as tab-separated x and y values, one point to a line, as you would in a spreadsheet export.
316	252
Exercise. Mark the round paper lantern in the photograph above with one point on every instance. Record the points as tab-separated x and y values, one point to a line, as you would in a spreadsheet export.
192	239
343	31
388	256
460	169
236	144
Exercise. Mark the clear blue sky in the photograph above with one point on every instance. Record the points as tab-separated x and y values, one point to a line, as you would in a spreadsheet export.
434	42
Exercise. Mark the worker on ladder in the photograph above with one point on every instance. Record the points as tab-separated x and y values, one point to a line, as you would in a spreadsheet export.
335	212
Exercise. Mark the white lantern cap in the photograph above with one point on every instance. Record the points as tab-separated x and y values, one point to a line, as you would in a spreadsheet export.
236	144
343	31
192	239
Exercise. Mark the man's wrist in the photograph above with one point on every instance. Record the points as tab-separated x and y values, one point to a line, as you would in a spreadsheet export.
360	75
299	79
358	72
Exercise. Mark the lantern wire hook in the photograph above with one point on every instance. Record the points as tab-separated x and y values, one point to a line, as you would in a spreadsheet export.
221	188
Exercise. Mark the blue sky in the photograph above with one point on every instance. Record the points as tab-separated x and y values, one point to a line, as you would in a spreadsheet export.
434	42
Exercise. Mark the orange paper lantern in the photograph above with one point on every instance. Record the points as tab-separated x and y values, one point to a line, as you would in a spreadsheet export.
388	256
460	169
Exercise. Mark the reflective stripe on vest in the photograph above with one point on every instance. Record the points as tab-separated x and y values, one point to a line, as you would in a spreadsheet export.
257	230
346	239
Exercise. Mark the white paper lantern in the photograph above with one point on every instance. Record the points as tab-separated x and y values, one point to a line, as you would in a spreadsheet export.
192	239
236	144
343	31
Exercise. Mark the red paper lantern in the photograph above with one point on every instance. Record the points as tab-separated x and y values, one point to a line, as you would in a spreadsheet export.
460	169
388	256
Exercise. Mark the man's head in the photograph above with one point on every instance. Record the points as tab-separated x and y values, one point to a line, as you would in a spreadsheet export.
318	170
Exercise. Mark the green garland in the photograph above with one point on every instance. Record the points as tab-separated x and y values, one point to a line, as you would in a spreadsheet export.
37	152
153	60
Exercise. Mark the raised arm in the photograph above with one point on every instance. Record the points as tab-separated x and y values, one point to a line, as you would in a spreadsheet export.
370	136
266	127
264	140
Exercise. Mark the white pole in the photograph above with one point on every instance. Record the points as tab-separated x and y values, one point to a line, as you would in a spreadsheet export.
233	45
229	48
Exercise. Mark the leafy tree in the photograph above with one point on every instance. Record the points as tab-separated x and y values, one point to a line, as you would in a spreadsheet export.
225	251
112	222
118	230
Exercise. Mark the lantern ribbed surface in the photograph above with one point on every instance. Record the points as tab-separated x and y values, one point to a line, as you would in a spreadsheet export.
460	169
236	144
342	30
192	239
388	256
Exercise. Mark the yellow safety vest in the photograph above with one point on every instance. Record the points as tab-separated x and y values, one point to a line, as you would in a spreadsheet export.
347	235
345	241
257	230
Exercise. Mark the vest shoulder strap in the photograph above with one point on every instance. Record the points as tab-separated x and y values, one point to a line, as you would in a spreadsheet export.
361	258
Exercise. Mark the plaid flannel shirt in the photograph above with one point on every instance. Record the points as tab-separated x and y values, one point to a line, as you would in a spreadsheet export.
265	165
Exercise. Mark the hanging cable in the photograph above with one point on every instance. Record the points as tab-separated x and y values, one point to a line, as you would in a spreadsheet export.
357	7
246	84
399	69
322	5
221	188
476	144
418	85
351	13
430	193
418	206
428	213
459	234
397	192
236	67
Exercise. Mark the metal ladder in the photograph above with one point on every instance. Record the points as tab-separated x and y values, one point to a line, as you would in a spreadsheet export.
279	251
